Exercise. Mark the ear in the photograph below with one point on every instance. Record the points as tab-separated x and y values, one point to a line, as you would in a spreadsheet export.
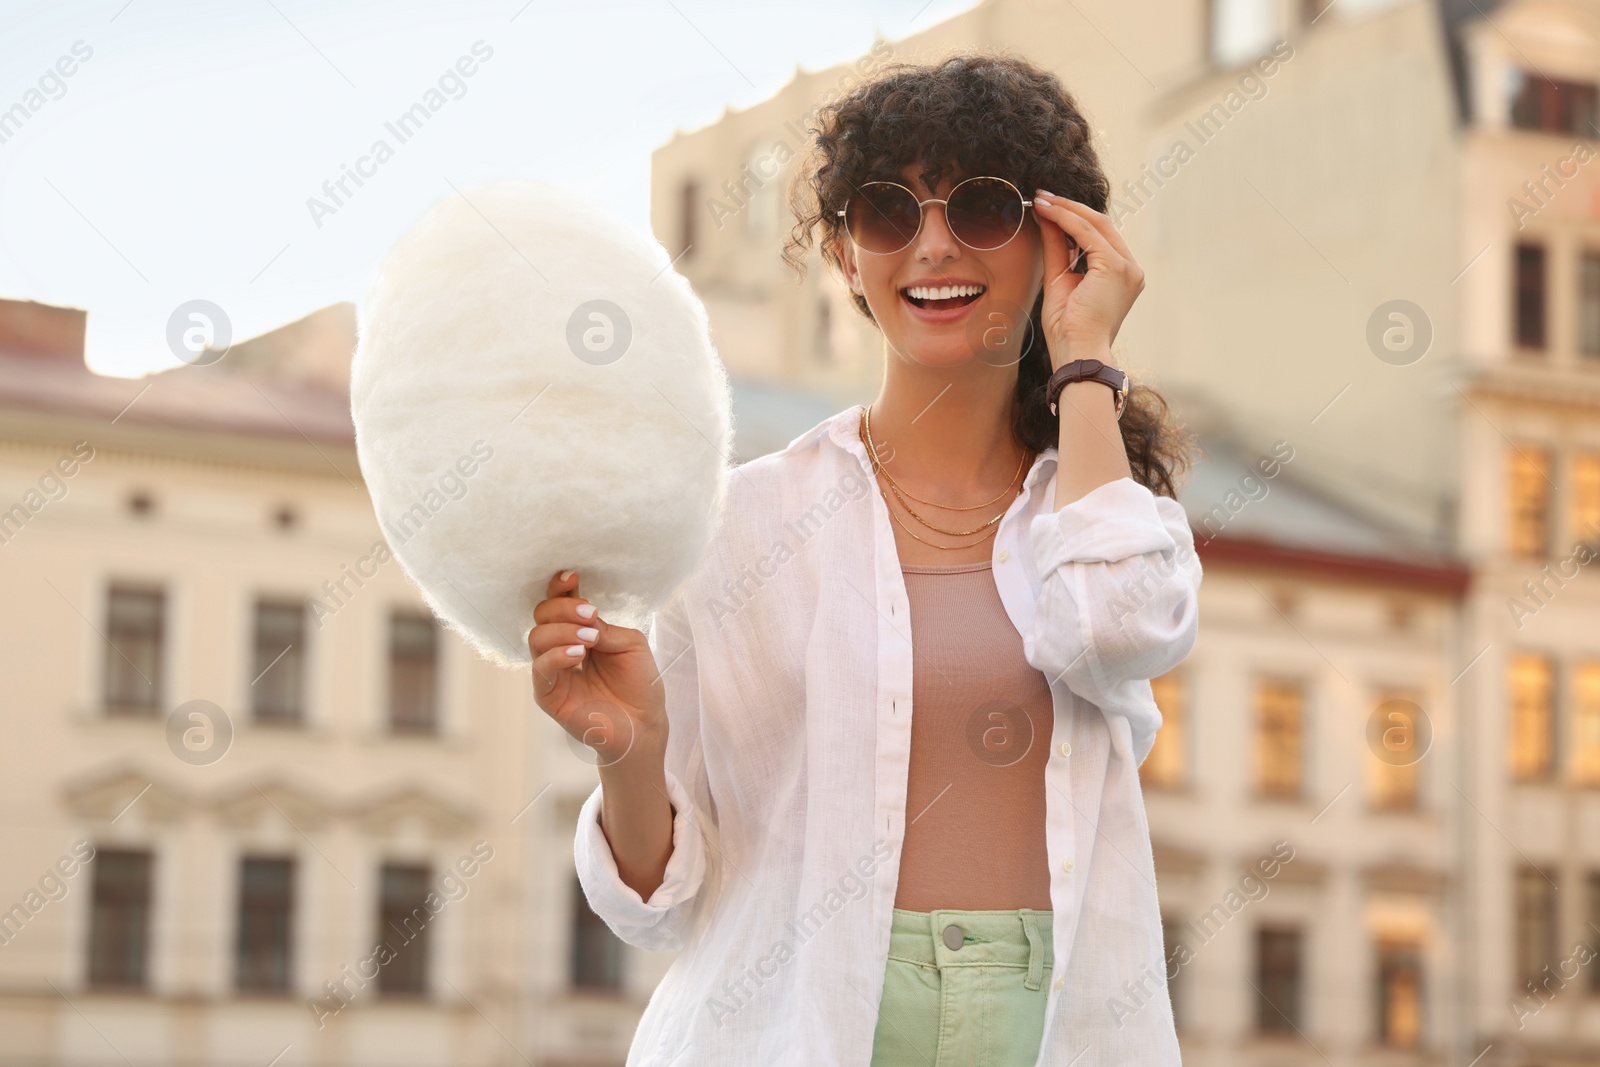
846	251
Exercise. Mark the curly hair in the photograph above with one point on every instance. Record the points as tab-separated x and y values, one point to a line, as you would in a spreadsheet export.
975	112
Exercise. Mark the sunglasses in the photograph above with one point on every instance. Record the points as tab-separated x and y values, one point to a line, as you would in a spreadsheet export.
983	213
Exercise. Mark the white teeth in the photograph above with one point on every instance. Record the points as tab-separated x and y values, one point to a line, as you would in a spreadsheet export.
943	292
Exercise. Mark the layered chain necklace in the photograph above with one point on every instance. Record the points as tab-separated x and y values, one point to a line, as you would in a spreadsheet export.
987	528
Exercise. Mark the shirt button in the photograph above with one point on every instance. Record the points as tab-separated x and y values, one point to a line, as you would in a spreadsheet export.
1067	865
1066	748
1005	554
953	937
1061	981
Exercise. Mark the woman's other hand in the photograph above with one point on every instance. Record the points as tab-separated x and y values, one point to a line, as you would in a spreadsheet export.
599	681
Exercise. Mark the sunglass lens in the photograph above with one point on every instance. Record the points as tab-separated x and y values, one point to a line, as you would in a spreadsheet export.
985	212
882	217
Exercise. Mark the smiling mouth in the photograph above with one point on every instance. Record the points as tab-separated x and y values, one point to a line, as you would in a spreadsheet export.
942	297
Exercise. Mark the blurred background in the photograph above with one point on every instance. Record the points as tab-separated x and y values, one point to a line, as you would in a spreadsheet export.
237	751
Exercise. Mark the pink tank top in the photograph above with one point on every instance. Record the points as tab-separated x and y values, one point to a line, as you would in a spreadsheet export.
981	719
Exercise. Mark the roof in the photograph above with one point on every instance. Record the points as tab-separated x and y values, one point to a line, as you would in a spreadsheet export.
252	396
1240	514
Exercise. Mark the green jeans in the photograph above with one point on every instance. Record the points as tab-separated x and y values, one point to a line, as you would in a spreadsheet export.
964	989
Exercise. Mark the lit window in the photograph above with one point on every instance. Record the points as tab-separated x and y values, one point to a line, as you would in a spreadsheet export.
1399	994
1165	767
1532	717
1528	500
1586	497
1280	709
1393	776
1586	723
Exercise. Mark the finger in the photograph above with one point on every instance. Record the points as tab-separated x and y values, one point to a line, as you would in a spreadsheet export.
1094	243
551	675
1058	253
575	609
1101	222
543	638
562	583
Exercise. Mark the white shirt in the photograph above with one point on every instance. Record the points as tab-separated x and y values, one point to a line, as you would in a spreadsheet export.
787	660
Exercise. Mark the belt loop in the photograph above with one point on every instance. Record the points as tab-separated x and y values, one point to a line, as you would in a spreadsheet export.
1030	926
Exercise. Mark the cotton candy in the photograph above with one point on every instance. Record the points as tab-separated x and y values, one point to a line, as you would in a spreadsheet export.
535	389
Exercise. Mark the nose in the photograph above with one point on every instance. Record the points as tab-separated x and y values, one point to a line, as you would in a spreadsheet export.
935	243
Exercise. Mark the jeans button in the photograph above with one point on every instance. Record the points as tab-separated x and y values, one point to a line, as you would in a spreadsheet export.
953	937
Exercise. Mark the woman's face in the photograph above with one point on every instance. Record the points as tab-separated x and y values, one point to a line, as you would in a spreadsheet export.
991	325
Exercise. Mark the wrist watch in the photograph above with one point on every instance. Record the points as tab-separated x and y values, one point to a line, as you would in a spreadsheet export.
1089	370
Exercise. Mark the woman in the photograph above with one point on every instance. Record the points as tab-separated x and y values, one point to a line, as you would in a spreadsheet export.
874	770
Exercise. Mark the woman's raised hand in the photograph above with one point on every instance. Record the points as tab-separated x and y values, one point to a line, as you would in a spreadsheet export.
599	681
1082	312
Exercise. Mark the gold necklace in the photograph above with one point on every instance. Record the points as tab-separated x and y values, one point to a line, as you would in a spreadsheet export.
877	465
866	429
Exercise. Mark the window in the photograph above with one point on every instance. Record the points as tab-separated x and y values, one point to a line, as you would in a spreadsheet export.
1528	500
1165	767
1278	979
1536	925
596	952
1553	105
403	918
1586	496
1393	776
119	920
266	910
1586	723
1530	299
135	634
1280	708
413	673
1532	717
688	205
279	671
1399	994
1589	304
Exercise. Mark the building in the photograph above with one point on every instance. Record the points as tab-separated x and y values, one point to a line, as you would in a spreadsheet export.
241	756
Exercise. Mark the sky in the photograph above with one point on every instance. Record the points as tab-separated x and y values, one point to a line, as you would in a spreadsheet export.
171	151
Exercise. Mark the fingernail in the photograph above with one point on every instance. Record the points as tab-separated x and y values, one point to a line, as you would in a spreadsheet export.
587	633
1040	194
566	574
586	611
574	650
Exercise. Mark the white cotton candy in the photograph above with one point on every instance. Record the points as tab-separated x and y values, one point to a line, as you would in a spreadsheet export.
502	436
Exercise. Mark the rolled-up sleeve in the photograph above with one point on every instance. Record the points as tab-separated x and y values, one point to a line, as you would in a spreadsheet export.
660	923
1119	599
